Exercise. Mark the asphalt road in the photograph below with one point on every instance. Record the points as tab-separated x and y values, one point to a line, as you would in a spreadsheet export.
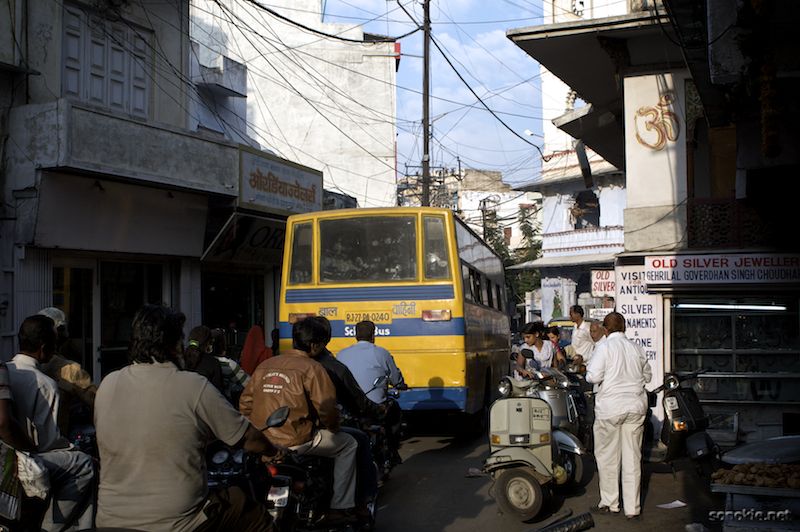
432	491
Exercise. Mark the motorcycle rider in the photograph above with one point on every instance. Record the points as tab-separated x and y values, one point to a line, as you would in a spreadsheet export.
153	421
295	380
75	386
36	403
621	369
353	400
367	362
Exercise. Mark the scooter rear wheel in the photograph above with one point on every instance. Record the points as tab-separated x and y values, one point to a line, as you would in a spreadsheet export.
518	493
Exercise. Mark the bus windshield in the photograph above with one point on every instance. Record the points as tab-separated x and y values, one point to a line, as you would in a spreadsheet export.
368	249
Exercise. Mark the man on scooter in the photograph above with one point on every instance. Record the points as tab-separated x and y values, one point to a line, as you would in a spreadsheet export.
153	422
354	401
621	369
367	362
295	380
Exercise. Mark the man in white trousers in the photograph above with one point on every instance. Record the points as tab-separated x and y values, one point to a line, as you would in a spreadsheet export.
621	370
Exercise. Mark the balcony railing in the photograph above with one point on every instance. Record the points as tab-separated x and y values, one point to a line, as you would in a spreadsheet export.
581	241
725	223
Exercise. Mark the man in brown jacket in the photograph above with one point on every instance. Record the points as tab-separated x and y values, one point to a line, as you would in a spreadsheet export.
295	380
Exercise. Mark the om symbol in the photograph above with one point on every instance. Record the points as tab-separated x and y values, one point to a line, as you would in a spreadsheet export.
660	120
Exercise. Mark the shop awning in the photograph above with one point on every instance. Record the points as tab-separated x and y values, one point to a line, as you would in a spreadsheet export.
248	239
90	214
572	260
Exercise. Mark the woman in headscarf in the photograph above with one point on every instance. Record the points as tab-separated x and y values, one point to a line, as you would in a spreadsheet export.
255	350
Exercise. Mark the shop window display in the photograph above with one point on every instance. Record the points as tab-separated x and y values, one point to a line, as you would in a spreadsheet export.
750	347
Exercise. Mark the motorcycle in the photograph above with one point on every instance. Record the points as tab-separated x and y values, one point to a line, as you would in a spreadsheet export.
683	431
522	460
381	446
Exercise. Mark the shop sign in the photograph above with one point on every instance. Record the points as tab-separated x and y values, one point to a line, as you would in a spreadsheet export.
643	320
248	239
599	313
275	185
722	269
603	283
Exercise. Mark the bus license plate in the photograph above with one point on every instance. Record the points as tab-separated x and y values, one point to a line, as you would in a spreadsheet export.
375	316
279	496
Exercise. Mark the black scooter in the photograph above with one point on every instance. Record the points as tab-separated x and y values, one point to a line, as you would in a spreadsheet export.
683	432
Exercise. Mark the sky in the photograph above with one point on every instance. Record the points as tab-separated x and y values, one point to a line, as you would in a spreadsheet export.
472	34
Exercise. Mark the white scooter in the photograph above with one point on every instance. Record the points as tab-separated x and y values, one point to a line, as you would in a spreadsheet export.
522	462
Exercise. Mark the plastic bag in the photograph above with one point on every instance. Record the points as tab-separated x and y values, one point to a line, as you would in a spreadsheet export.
33	475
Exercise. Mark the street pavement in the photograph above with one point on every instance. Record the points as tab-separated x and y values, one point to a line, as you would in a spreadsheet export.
432	491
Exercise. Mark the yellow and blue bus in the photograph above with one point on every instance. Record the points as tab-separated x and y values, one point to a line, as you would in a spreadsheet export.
434	289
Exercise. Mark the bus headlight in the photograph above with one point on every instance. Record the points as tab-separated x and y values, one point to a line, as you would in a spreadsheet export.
504	387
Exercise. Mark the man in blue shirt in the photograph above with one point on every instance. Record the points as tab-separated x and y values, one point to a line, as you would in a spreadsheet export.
368	361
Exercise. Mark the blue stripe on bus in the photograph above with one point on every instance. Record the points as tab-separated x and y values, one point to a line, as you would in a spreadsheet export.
377	293
433	399
398	327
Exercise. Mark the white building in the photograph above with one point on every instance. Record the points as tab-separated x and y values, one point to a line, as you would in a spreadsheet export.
327	103
118	190
582	227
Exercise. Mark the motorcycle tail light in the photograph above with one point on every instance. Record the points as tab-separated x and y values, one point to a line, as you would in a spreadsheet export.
273	471
436	315
679	425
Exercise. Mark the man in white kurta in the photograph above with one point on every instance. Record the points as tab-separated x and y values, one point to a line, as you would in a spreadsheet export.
621	369
581	335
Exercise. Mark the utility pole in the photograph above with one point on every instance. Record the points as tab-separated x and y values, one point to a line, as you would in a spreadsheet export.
426	82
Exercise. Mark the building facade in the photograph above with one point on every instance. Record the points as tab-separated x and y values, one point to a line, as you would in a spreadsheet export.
326	102
708	278
115	193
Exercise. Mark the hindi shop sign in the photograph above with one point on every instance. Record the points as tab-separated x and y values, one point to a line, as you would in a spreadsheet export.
275	185
603	283
722	269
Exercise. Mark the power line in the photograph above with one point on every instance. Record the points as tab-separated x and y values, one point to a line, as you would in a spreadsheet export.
328	35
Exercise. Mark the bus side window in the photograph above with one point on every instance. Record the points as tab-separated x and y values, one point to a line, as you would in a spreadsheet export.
475	277
489	293
437	265
466	282
499	298
300	268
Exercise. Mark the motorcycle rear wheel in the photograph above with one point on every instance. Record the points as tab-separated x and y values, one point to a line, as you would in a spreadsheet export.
518	493
578	469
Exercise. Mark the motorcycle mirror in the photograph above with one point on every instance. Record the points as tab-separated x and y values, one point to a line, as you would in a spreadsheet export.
278	417
380	382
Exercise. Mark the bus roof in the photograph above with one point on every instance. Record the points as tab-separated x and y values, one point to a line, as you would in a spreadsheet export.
367	211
